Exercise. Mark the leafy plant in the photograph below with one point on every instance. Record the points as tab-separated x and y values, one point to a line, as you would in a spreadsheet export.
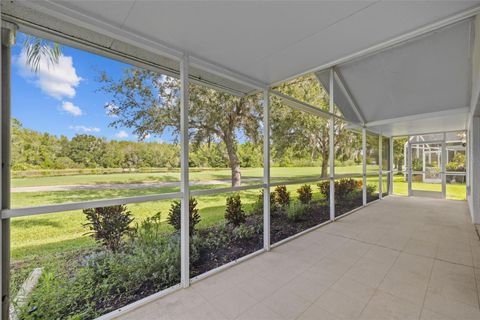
107	281
149	229
282	196
108	224
244	232
234	213
175	213
305	194
370	190
324	188
296	211
343	187
258	208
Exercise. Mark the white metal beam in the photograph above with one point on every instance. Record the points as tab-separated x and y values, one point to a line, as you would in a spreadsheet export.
348	95
66	14
391	154
388	44
364	166
428	115
302	106
331	153
266	170
184	184
380	169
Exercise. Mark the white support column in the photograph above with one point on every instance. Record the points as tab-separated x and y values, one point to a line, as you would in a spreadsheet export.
364	165
390	160
444	167
8	34
185	188
331	153
474	192
266	170
380	167
409	167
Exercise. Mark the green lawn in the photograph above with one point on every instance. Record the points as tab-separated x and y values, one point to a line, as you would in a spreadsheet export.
456	191
57	232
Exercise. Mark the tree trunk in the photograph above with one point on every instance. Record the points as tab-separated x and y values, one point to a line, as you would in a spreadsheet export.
234	162
324	167
400	164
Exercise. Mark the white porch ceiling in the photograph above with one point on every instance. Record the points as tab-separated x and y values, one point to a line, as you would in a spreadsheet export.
427	75
268	42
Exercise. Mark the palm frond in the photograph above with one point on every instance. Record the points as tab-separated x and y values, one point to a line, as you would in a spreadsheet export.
37	49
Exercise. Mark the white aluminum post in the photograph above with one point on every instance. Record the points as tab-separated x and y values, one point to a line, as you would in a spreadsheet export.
380	167
331	153
7	40
364	165
390	160
474	173
444	166
409	167
266	170
185	223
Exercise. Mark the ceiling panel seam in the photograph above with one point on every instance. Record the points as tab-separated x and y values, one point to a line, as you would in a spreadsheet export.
314	33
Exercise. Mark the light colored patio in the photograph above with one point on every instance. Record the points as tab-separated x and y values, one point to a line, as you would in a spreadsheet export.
401	258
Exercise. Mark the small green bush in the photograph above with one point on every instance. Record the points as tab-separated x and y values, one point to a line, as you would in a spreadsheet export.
343	188
282	196
108	224
234	213
107	280
324	188
305	194
296	211
353	196
244	232
174	215
371	190
259	203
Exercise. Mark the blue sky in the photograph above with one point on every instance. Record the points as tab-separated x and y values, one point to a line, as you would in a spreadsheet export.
64	99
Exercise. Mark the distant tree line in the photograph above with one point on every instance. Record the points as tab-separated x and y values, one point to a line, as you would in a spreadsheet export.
36	150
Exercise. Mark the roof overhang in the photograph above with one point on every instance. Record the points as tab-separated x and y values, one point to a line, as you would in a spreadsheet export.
381	50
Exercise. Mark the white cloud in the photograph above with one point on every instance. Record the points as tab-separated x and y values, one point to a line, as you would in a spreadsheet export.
71	108
148	136
58	80
121	134
111	110
85	128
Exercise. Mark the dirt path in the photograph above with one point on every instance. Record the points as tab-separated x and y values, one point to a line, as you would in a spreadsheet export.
137	185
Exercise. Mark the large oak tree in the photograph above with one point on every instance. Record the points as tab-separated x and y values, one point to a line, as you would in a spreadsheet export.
149	103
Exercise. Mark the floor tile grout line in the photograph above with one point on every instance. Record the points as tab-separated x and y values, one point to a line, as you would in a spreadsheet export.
343	274
428	286
377	288
475	280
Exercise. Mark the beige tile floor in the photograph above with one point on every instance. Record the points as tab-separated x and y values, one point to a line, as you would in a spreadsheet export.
400	258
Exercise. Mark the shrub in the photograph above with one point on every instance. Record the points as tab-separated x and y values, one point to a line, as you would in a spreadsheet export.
105	281
296	211
234	213
305	194
258	208
282	196
149	229
108	224
175	213
370	190
324	188
244	232
353	196
343	187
